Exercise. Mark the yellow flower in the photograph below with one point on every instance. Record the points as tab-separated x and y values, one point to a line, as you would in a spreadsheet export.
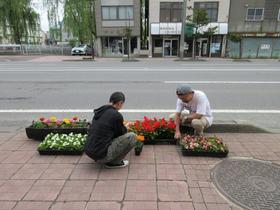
53	119
140	138
66	120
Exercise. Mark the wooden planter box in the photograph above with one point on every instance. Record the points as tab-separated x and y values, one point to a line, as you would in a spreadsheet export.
40	133
187	152
55	152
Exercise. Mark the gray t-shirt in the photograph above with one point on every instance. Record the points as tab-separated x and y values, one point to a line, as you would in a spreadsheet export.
199	104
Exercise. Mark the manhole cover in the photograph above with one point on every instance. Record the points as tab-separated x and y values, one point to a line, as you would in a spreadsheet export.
252	184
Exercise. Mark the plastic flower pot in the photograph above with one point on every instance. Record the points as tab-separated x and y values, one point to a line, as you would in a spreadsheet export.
138	148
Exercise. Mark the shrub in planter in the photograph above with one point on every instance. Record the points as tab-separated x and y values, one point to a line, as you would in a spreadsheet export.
44	126
154	130
139	145
62	144
203	146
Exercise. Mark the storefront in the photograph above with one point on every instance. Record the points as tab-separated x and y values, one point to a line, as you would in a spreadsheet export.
254	45
117	46
165	39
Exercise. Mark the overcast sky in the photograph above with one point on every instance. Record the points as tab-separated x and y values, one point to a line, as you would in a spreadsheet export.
38	6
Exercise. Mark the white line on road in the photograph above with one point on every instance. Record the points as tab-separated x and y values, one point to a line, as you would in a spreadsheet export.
224	111
222	82
169	69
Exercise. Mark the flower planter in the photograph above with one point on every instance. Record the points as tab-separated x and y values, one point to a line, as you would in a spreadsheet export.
203	146
54	152
187	152
62	144
159	141
40	133
155	131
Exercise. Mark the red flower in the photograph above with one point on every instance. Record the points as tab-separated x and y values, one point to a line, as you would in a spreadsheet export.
156	125
75	118
42	119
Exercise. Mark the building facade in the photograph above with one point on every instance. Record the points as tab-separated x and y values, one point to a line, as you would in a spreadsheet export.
113	18
165	20
257	23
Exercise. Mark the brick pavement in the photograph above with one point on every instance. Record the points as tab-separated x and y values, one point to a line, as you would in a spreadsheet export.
159	179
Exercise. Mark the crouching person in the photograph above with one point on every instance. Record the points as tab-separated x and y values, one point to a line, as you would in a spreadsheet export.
108	140
199	115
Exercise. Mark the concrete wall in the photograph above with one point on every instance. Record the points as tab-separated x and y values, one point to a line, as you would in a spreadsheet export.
116	28
154	13
237	16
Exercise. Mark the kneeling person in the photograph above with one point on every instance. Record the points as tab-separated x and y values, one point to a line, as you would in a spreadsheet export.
196	102
108	141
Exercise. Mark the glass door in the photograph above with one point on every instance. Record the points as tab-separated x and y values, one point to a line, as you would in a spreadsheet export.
167	46
174	47
170	47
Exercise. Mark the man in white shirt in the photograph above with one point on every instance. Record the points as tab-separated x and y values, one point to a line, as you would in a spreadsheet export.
196	102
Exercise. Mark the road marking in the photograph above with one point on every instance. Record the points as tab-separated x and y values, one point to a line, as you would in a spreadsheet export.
224	111
222	82
169	69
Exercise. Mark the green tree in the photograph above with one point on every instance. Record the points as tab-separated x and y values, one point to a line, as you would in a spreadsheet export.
18	18
210	32
198	20
79	19
127	34
234	37
55	23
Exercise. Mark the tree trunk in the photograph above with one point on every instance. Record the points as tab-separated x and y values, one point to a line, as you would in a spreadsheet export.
210	46
194	49
129	47
240	49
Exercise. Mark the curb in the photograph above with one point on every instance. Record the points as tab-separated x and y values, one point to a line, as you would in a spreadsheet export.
234	128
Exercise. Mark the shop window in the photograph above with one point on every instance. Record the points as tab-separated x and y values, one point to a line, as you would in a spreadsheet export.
254	14
211	9
171	11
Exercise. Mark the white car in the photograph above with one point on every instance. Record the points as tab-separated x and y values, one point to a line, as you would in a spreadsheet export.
82	49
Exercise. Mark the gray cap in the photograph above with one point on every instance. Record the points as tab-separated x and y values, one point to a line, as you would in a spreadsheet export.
183	89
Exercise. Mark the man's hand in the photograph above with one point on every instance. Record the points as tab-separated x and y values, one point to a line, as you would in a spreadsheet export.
177	135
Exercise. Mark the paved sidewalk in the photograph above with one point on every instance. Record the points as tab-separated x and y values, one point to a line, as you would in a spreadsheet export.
159	179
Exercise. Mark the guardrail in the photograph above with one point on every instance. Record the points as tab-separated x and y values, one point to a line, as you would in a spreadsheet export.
34	50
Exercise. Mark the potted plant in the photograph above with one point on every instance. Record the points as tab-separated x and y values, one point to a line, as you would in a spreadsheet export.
139	145
39	129
154	130
62	144
203	146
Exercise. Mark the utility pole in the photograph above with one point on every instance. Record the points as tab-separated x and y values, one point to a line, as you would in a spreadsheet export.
182	38
91	28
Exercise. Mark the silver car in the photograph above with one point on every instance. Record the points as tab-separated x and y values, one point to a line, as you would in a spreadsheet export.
82	49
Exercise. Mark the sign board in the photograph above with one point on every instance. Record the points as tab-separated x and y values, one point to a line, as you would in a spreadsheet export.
175	28
166	28
265	46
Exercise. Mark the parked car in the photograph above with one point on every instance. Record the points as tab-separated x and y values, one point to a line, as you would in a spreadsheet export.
82	49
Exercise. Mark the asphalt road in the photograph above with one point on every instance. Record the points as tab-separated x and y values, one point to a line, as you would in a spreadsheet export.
233	88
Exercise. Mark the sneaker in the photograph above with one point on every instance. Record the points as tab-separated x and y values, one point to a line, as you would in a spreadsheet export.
122	164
